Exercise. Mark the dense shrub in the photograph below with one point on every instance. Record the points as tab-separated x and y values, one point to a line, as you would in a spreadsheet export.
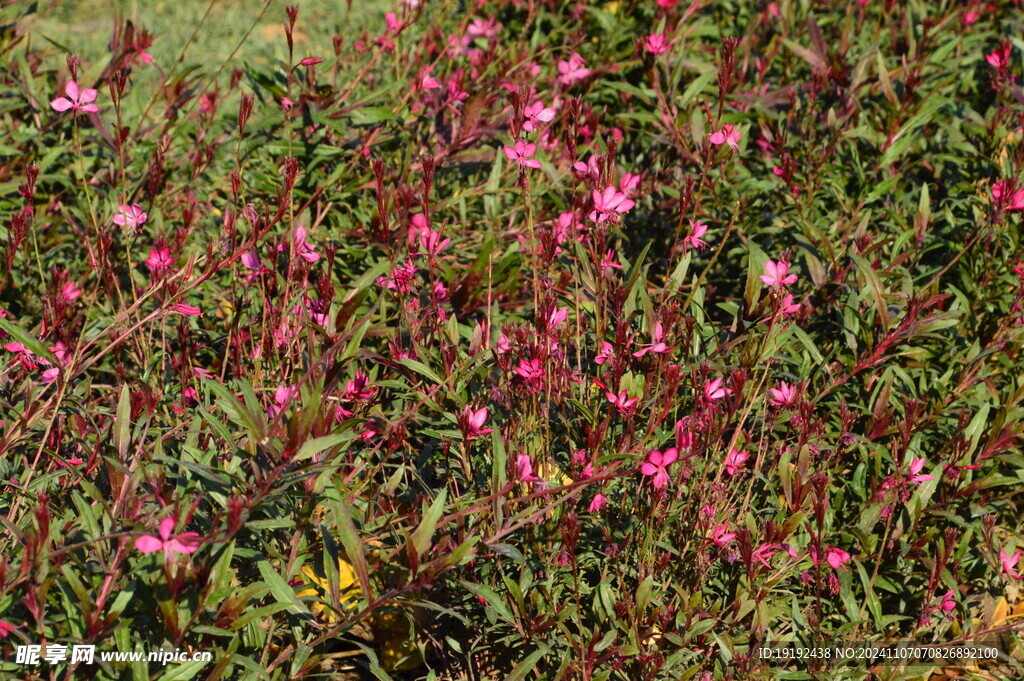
511	339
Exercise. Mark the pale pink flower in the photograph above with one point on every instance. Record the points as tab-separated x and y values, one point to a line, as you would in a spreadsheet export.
78	100
656	44
572	70
783	396
734	461
697	230
302	247
657	465
483	28
1009	563
609	204
777	274
536	114
131	216
727	135
186	542
521	153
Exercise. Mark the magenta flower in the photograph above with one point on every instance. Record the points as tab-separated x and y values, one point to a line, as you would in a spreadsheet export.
1010	563
948	601
597	503
186	542
525	469
783	396
721	536
727	135
282	395
609	204
656	44
432	242
483	28
159	259
252	262
473	421
697	230
521	153
713	389
1006	196
836	557
572	70
657	465
605	353
787	305
77	100
6	628
536	114
763	552
777	274
999	59
734	461
916	466
131	216
187	310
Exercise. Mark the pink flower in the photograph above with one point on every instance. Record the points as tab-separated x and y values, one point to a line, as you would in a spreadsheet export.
763	552
836	557
252	262
474	419
557	316
916	466
657	465
787	305
76	100
287	104
131	216
536	114
432	242
525	469
777	274
971	17
713	389
311	61
530	369
1006	196
609	204
188	310
302	247
159	259
622	401
783	396
656	44
186	542
605	353
70	291
629	183
657	345
282	395
720	536
503	345
483	28
734	461
597	503
666	4
521	153
1010	563
727	135
948	601
6	628
697	230
572	70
